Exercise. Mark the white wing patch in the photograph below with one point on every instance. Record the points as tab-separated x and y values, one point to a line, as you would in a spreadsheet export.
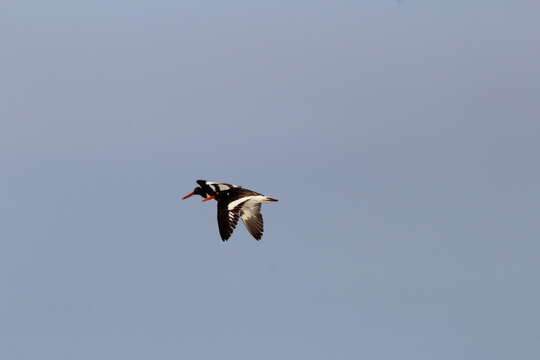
222	187
220	184
254	198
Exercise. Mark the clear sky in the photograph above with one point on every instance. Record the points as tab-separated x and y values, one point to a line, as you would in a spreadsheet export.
402	139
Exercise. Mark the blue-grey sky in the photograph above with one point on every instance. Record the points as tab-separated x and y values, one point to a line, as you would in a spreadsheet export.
402	139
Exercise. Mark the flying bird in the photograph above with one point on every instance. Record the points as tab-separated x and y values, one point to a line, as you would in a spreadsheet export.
236	203
233	203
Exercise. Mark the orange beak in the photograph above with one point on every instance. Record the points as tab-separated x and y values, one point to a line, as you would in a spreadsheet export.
188	195
209	198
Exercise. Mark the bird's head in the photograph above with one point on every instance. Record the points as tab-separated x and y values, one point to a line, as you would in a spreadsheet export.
197	191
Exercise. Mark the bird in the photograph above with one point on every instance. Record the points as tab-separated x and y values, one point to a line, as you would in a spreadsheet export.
238	202
208	188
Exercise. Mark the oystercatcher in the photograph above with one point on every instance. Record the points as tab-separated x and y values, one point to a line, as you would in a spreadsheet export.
235	203
208	188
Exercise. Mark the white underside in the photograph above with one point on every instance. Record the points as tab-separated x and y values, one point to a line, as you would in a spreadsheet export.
249	209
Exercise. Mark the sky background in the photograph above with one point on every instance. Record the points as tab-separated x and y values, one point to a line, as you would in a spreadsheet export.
401	137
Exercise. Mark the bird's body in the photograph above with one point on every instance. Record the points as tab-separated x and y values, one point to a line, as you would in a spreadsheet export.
240	203
234	202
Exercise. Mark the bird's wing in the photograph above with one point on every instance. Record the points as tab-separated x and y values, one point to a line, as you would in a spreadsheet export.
212	187
227	220
252	218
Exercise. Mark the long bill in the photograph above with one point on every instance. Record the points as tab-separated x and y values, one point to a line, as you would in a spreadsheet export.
188	195
209	198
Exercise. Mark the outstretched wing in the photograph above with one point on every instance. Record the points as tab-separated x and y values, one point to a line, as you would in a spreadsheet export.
253	220
211	187
227	220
